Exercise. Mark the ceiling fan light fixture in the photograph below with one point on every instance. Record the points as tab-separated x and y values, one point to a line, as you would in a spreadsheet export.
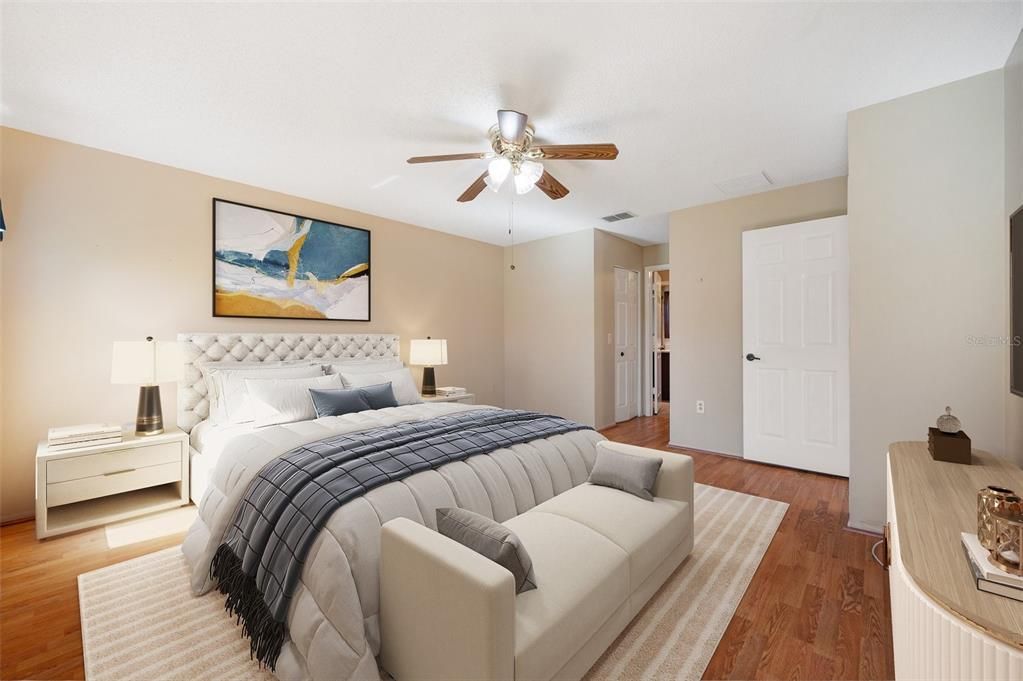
531	169
497	172
527	175
523	185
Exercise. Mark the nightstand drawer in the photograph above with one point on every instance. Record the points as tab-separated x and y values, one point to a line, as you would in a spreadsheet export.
101	463
115	482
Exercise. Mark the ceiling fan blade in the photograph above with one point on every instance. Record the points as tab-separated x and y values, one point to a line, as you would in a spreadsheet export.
474	189
512	125
550	186
578	152
447	157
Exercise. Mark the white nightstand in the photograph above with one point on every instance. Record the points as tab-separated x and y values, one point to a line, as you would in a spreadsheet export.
80	488
464	398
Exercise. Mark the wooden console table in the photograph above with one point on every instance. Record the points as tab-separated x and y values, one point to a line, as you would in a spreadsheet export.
943	627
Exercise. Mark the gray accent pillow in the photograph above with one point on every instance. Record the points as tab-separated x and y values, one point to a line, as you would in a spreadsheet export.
379	396
491	540
338	402
633	474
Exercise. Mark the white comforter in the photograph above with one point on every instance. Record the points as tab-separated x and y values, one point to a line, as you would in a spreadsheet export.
333	621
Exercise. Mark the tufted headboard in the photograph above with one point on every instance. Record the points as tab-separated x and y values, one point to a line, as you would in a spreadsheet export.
198	348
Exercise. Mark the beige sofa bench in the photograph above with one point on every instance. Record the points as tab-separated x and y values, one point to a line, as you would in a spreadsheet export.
599	554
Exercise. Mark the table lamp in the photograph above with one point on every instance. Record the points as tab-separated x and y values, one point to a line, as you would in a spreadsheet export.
428	353
147	363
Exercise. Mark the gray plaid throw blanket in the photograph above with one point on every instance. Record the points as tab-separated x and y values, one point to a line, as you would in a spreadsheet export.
258	564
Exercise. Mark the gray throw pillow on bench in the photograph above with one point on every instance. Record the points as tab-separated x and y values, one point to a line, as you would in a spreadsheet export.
491	540
629	473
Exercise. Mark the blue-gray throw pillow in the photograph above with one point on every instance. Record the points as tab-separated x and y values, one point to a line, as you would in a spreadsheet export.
379	396
339	401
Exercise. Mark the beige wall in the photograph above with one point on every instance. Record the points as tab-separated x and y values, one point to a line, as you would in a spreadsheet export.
558	311
927	272
548	321
706	304
3	249
105	247
655	255
1013	200
609	251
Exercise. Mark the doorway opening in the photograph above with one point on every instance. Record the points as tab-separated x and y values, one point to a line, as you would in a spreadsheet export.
656	332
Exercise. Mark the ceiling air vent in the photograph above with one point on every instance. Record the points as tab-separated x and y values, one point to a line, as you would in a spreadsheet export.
618	216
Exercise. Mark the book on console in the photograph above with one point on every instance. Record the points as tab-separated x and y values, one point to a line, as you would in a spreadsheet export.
89	431
60	447
986	576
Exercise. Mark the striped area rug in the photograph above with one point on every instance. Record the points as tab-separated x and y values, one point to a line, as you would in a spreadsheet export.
139	620
677	632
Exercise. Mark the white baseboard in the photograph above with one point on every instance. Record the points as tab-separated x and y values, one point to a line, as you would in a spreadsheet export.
676	445
872	528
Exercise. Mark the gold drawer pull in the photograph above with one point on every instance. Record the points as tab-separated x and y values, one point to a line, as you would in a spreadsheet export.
126	470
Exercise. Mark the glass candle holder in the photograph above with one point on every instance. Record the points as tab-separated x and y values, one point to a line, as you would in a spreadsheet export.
988	499
1008	540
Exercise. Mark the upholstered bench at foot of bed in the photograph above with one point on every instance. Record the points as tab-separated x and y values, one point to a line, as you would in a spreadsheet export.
598	554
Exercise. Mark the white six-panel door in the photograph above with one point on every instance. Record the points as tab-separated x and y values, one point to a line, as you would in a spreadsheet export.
795	328
626	344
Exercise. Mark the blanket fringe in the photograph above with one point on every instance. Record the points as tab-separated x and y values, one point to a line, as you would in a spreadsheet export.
266	635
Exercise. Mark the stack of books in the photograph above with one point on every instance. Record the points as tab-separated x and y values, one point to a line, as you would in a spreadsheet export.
88	435
987	576
450	391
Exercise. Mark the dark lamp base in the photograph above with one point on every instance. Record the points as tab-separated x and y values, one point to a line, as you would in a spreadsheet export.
149	420
429	381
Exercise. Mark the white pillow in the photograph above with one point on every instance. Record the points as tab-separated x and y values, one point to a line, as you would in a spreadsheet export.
209	368
363	366
230	404
402	383
284	400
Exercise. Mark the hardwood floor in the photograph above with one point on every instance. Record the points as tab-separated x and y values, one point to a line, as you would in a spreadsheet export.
817	607
40	631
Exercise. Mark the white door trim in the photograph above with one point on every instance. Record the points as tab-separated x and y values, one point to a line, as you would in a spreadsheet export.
632	329
646	332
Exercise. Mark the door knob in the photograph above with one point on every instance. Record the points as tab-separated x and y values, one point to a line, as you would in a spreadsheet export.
622	354
752	358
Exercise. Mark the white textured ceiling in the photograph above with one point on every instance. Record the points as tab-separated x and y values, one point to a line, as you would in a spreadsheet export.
327	100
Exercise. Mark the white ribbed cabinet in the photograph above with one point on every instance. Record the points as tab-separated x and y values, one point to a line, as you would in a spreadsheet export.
81	488
943	629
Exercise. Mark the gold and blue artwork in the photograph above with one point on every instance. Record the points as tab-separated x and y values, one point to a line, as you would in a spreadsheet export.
271	264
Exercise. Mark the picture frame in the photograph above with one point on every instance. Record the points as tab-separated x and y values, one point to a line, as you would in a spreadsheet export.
271	264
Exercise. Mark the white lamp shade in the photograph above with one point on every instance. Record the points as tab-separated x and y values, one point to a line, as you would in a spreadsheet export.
428	352
146	362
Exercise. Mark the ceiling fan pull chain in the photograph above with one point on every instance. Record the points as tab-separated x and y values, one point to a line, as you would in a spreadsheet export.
511	233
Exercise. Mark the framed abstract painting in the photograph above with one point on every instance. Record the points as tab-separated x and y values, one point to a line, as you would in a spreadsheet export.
269	264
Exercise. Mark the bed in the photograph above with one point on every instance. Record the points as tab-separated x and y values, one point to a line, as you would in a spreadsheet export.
333	629
193	400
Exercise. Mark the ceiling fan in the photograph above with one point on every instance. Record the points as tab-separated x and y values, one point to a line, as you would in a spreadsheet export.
515	154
